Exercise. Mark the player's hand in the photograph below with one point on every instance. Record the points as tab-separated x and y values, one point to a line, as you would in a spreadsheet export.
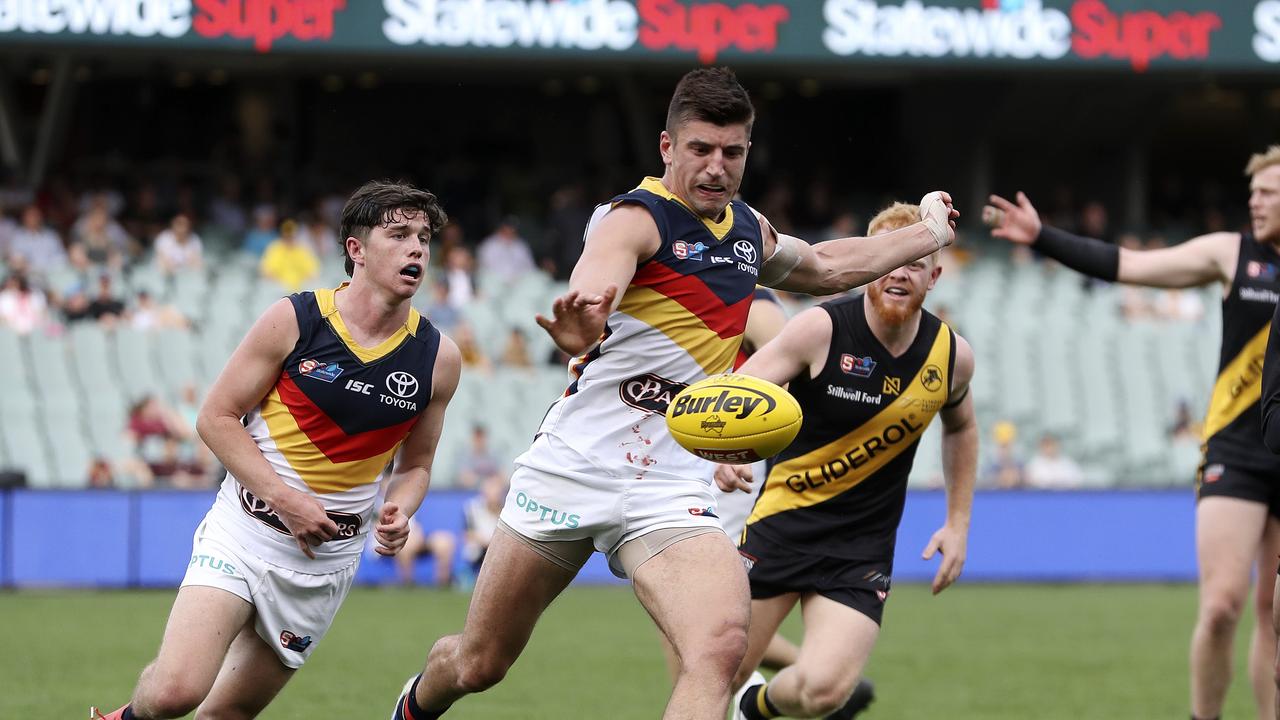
938	214
952	543
392	530
306	519
578	319
1017	223
733	477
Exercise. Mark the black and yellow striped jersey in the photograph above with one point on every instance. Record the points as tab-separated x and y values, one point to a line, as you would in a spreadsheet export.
1233	425
839	489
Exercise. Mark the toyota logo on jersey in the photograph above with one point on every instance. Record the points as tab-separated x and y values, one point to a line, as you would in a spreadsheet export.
402	384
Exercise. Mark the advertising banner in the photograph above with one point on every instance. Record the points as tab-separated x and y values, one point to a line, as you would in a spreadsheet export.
1112	35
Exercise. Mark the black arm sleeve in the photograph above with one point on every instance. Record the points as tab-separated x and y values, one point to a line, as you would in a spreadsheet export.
1271	388
1085	255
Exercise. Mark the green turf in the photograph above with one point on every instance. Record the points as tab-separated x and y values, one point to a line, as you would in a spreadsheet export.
986	652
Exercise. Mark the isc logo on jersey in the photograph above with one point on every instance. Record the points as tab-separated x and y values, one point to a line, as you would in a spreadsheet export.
734	419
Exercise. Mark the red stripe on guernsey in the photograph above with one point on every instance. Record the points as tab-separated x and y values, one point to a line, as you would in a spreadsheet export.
332	440
727	321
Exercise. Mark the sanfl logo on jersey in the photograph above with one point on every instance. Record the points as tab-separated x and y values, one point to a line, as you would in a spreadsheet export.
1262	271
684	251
857	366
314	369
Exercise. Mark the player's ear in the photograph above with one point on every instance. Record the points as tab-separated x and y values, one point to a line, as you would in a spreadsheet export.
355	249
666	146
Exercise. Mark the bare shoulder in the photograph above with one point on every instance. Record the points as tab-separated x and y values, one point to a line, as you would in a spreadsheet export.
276	328
964	365
447	370
768	234
626	224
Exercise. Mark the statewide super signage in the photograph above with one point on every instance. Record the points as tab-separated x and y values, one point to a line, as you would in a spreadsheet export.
1116	35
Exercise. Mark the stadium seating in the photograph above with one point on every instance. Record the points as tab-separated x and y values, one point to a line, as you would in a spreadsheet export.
1053	355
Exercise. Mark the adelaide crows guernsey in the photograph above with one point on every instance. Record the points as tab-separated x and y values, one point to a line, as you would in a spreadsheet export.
330	426
840	487
680	320
1233	425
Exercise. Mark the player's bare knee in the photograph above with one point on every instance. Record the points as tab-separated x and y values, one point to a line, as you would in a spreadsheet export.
719	652
822	695
481	672
172	699
1220	615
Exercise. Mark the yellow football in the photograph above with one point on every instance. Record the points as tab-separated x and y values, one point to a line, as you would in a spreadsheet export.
734	419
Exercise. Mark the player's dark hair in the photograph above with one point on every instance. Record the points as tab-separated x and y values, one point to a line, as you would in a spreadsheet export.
379	203
711	95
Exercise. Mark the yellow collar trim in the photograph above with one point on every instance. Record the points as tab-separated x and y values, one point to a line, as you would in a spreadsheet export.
654	186
326	300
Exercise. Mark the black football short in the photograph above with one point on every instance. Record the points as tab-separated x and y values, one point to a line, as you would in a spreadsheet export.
774	570
1226	480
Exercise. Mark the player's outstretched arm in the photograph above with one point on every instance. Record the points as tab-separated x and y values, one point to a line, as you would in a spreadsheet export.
615	244
411	470
248	376
1199	261
801	348
1271	387
838	265
960	468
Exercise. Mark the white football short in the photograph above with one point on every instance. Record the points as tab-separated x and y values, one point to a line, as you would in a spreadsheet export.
556	495
293	610
734	507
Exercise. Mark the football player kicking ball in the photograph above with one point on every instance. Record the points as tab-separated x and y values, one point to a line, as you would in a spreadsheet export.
331	385
870	373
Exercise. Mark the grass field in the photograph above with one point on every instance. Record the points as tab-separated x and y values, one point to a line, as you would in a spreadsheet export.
986	652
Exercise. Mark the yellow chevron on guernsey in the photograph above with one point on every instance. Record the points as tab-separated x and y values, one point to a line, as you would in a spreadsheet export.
833	468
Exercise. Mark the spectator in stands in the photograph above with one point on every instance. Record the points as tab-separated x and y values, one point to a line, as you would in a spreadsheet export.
478	465
1049	469
22	307
36	244
288	262
505	254
473	357
147	314
438	543
263	230
75	304
226	213
845	224
318	235
439	311
568	215
105	306
458	267
99	475
1185	427
178	248
482	512
158	436
7	228
1004	470
145	219
515	353
98	242
442	247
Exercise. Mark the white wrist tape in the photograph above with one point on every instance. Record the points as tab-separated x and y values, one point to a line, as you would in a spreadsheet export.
785	258
934	214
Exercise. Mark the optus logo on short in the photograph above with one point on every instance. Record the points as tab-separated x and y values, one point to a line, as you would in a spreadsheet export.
742	407
548	513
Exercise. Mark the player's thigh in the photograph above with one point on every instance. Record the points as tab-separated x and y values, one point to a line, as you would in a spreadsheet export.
837	642
201	626
694	588
250	678
1228	535
518	580
1268	561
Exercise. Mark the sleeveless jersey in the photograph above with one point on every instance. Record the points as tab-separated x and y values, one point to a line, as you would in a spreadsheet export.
840	487
680	320
330	427
1233	424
